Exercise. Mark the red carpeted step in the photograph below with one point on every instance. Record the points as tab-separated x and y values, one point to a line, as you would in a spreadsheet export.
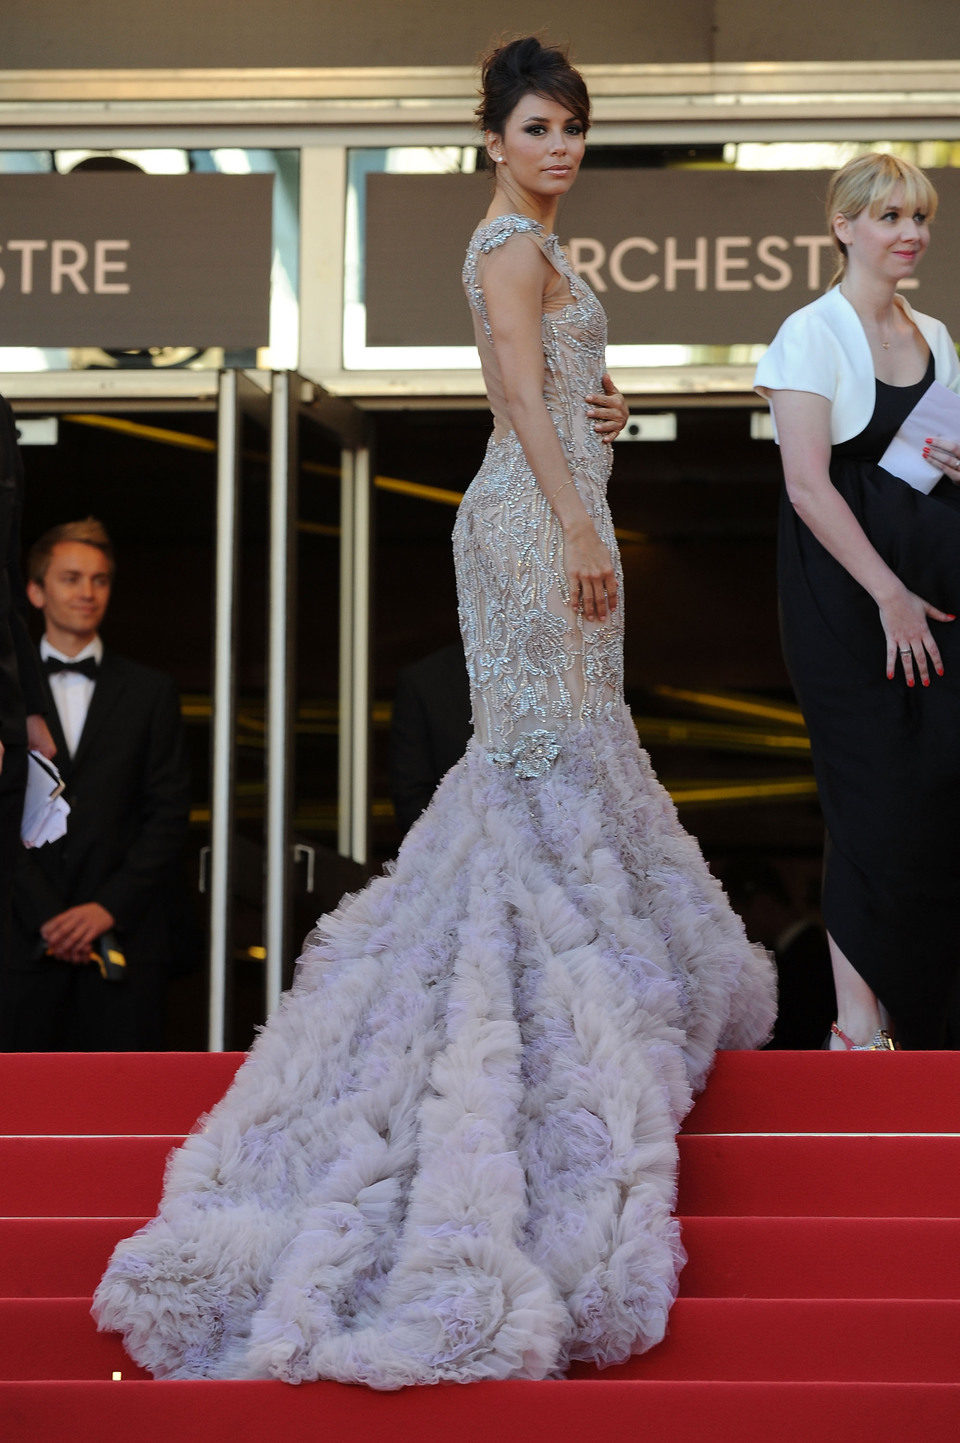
727	1339
760	1304
57	1338
81	1176
797	1339
825	1176
809	1257
830	1092
747	1092
115	1092
768	1176
794	1257
57	1257
509	1412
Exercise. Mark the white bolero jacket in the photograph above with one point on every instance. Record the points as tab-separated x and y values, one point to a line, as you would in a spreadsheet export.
823	348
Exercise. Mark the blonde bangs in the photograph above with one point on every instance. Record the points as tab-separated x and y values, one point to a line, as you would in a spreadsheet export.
868	182
918	193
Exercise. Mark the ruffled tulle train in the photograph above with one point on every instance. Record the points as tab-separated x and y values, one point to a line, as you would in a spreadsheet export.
451	1154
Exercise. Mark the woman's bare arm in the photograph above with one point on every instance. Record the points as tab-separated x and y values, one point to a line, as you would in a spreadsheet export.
513	281
803	424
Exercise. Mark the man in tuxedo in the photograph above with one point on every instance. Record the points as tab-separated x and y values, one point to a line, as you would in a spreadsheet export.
22	700
108	883
429	729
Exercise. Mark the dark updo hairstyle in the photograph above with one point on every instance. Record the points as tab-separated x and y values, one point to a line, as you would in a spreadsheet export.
523	67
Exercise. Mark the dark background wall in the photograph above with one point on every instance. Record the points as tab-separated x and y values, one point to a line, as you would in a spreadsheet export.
70	34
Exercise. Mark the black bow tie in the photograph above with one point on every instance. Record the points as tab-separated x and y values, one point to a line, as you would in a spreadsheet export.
86	667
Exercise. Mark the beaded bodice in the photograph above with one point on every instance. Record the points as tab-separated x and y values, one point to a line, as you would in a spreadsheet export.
536	669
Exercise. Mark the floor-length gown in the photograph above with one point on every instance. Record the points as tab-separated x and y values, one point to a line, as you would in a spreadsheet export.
886	756
451	1153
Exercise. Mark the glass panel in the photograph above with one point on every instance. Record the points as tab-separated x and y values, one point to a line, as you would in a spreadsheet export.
284	165
398	160
445	160
319	875
317	623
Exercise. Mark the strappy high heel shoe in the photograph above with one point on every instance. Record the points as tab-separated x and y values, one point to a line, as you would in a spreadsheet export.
880	1042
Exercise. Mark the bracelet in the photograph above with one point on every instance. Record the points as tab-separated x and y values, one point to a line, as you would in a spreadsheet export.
556	493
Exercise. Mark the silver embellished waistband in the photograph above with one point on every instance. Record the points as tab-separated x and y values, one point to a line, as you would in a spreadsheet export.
532	756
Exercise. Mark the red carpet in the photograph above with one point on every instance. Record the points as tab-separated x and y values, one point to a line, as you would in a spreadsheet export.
821	1300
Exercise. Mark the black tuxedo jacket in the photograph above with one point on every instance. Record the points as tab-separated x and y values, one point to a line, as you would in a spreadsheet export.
20	676
129	794
429	729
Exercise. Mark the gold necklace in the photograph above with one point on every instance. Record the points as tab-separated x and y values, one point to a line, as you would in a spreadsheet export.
885	344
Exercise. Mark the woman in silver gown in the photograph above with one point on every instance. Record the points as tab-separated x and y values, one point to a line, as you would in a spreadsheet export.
451	1154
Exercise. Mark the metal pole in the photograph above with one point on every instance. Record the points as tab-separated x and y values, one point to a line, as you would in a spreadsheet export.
224	704
345	684
354	708
280	663
360	707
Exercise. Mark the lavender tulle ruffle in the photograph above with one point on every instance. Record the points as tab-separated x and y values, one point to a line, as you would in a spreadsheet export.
451	1154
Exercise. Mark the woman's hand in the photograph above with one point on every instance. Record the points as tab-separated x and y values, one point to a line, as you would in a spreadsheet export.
945	454
905	625
590	573
608	411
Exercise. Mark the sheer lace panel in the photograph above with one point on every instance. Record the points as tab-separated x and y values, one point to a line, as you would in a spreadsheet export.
536	669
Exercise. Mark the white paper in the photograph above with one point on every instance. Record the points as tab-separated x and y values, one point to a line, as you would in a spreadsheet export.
44	810
937	413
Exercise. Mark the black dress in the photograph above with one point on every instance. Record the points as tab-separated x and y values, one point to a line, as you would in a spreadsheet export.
886	756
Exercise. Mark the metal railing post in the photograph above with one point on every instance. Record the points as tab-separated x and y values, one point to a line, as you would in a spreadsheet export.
356	521
224	704
281	656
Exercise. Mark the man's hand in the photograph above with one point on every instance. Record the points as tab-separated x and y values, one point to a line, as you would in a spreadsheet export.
39	738
70	934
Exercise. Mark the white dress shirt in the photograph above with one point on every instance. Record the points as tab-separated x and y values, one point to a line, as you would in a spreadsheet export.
72	692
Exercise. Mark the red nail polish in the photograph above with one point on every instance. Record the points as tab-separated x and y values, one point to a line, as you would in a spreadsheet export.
926	681
939	671
950	618
909	681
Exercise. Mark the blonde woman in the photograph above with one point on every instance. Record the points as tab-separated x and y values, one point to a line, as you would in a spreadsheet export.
869	573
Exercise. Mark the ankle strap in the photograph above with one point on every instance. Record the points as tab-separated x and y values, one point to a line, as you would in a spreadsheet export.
880	1042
